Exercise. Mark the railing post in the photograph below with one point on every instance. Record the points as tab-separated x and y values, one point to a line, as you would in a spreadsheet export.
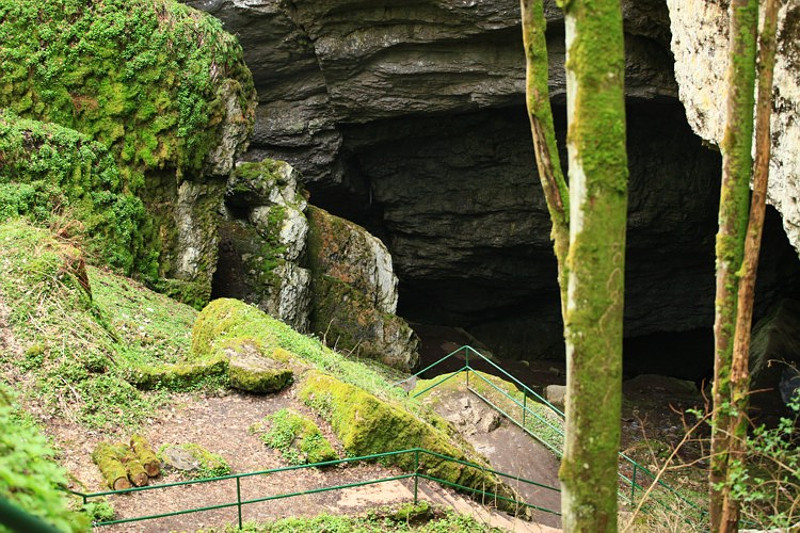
633	484
466	357
524	407
416	476
239	500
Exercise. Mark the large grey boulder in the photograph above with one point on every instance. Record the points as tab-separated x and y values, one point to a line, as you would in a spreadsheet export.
263	237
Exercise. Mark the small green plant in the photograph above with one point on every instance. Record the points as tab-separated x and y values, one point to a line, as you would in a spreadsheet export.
297	438
29	475
768	483
99	510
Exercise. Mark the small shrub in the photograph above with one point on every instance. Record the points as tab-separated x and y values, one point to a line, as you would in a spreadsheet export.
297	438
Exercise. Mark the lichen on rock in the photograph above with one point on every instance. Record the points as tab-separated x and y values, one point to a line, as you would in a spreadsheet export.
355	292
700	45
262	241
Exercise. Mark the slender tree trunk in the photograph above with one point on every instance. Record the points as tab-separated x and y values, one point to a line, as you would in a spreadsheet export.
598	204
740	367
734	198
540	114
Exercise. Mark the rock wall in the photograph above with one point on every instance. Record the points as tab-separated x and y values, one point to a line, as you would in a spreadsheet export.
700	45
409	119
313	270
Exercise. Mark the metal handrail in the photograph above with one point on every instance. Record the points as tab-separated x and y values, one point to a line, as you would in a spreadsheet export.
527	391
239	503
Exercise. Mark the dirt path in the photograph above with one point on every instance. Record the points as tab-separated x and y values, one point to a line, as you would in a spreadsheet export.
221	424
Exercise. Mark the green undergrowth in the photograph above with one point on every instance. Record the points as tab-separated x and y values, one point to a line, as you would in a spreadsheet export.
511	400
296	437
76	331
28	473
422	518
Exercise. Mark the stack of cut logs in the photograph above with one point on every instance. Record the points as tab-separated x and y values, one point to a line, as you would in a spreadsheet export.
123	465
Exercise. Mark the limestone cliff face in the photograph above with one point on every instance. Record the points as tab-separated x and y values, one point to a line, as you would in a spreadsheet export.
700	45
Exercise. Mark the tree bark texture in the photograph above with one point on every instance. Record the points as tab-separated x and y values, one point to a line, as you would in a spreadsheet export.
733	209
540	114
740	366
596	263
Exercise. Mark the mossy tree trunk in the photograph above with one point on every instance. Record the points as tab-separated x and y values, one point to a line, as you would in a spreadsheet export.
740	371
596	262
734	199
540	114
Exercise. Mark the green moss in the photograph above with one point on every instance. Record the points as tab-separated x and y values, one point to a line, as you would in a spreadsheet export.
61	178
257	380
192	293
210	464
146	78
596	263
297	438
151	82
367	425
352	323
226	320
182	376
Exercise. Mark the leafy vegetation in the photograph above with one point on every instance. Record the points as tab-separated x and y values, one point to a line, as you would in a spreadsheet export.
768	484
28	474
297	438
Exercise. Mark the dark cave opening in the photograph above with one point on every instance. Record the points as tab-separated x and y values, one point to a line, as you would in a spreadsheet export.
456	200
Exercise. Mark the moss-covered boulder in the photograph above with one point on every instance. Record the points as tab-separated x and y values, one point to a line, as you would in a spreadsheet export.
164	89
262	241
259	375
296	437
366	424
180	376
355	292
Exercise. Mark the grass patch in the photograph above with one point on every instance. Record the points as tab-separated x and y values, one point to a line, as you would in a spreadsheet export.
297	438
77	331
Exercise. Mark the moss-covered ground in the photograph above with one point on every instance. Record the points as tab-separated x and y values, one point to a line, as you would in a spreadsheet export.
76	331
422	518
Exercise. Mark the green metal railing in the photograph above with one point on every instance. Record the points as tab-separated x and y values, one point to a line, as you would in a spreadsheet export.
419	455
632	484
